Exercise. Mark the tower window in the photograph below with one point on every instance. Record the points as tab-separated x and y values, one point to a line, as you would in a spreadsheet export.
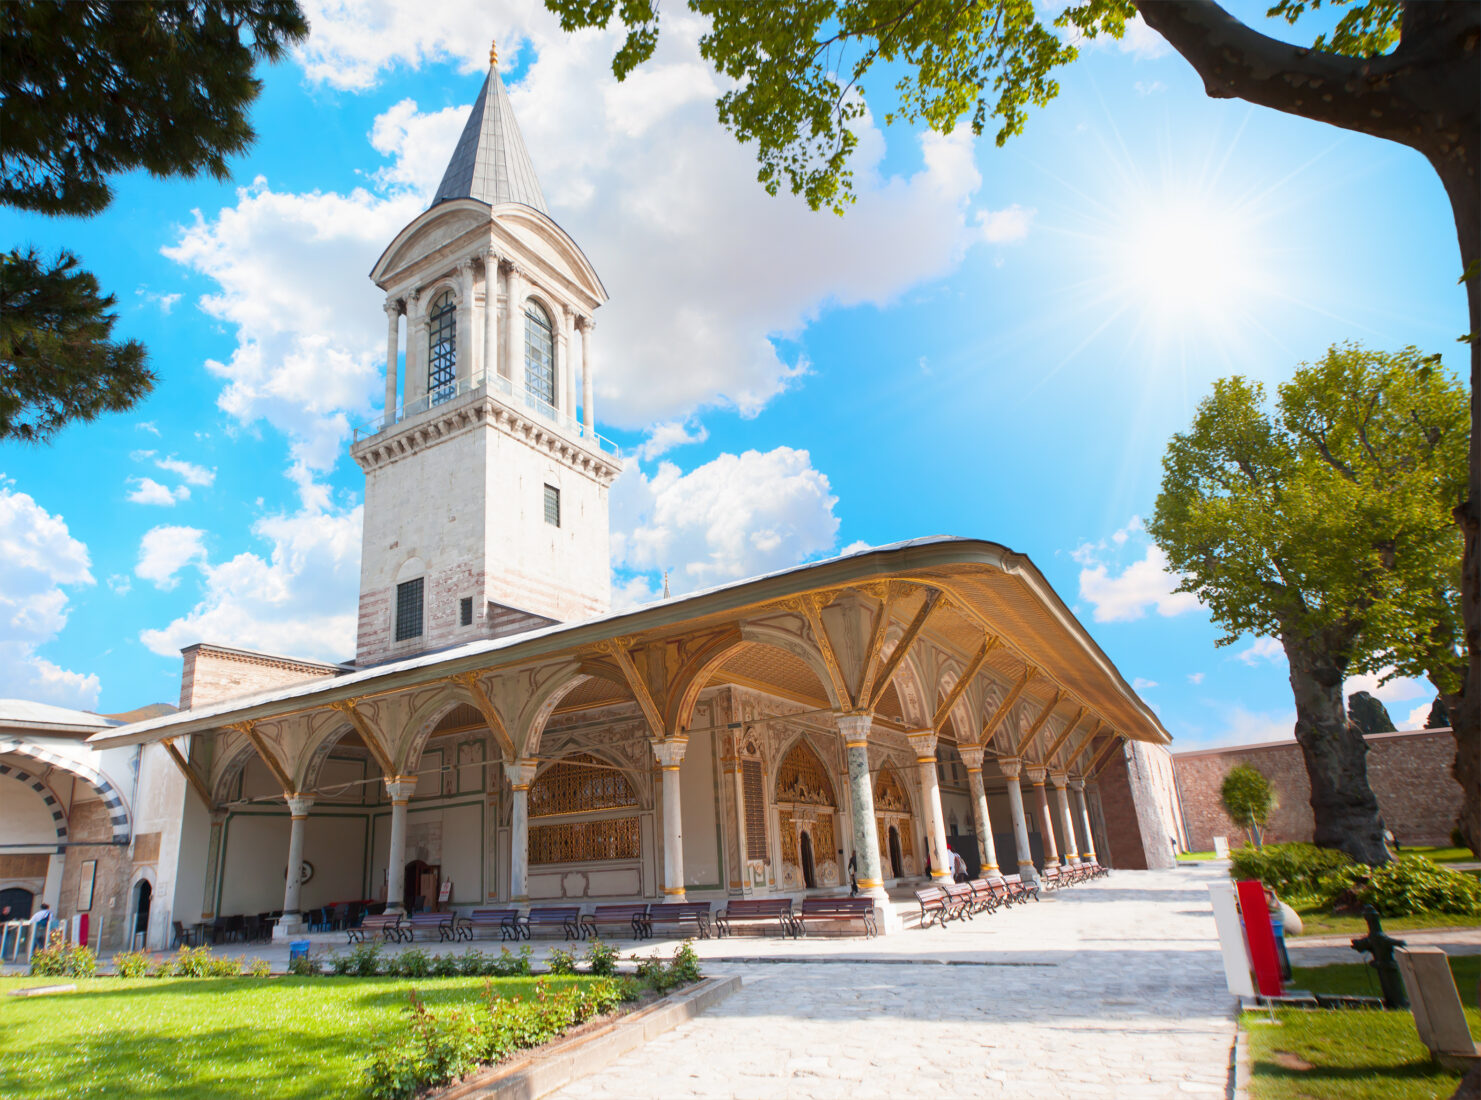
409	610
442	334
539	356
552	506
465	611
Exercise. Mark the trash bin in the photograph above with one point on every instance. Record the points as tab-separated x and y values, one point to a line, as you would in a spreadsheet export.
297	949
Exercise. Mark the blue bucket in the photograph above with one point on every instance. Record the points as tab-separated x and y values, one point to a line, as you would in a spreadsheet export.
298	949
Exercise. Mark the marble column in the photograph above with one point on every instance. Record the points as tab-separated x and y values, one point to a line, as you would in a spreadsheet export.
465	357
399	789
588	410
1046	821
670	754
521	775
514	329
1078	786
741	879
924	744
855	730
292	919
393	323
987	852
1011	768
1067	823
567	376
490	315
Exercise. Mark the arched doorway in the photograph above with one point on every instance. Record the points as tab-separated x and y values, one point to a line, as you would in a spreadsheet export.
19	901
143	897
897	861
805	811
894	823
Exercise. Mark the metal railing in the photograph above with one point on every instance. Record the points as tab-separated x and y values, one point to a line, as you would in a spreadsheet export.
496	385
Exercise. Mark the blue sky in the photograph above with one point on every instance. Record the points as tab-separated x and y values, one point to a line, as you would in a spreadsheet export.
992	342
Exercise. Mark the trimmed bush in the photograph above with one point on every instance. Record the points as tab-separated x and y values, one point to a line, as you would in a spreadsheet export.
602	959
259	968
414	962
196	962
59	959
132	964
1291	870
561	961
1408	885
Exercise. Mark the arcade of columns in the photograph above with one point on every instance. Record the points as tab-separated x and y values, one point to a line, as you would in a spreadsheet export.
856	645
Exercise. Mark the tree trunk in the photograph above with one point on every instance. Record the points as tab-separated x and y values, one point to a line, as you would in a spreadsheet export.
1342	804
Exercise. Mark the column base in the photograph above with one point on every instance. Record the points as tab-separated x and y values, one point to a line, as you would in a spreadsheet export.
1028	873
288	926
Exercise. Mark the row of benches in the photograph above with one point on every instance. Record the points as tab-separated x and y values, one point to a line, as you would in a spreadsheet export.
959	901
636	920
1070	874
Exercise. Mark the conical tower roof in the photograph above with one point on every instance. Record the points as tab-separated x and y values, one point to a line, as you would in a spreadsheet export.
490	162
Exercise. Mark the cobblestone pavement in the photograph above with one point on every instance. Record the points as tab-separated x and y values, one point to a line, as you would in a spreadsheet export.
1108	989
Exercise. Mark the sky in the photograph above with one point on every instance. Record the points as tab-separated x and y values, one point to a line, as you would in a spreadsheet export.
992	342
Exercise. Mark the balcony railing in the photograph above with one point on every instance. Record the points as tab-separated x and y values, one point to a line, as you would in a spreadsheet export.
498	386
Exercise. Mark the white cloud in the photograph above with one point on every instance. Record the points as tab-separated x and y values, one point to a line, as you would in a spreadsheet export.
1418	717
148	491
147	426
734	517
1141	41
1262	649
166	302
1005	226
1195	677
1126	596
856	547
120	584
663	438
1246	727
188	471
1152	87
1140	684
165	550
299	601
40	557
1399	689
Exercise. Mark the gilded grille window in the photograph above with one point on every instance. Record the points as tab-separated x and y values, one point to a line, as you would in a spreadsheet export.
409	610
755	793
585	841
802	778
442	330
889	794
539	356
552	506
572	786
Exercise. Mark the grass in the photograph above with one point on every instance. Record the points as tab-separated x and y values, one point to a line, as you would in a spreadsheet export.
1315	922
208	1038
1195	857
1443	855
1350	1054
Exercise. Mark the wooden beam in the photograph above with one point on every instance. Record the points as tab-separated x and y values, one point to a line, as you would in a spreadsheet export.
1101	758
368	735
962	681
191	775
1033	731
1085	744
249	730
1063	737
892	665
876	643
814	619
990	727
636	685
485	706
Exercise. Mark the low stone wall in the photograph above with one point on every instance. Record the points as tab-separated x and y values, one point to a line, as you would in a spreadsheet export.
1409	773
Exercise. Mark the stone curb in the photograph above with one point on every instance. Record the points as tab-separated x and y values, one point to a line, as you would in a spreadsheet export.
1239	1065
569	1060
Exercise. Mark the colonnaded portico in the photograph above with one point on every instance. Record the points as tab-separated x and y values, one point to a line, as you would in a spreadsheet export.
755	739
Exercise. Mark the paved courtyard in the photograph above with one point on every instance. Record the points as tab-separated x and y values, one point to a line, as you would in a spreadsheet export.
1108	989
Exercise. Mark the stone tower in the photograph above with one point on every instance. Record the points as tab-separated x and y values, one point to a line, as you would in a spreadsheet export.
485	480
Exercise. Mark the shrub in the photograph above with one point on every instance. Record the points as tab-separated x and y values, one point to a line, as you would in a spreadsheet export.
509	965
446	966
561	961
602	958
413	963
59	959
473	962
1408	885
1291	870
132	964
684	969
305	966
259	968
1248	799
364	960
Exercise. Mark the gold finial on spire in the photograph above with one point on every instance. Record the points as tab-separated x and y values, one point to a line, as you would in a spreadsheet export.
493	52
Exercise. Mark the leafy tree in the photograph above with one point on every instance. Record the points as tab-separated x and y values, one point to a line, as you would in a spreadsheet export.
1318	523
1248	800
88	90
1403	70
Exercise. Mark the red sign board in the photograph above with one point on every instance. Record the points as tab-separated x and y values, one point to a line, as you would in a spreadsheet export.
1259	934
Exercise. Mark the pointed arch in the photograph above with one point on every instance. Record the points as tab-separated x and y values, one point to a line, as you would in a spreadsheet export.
801	775
48	797
108	794
805	650
695	675
891	793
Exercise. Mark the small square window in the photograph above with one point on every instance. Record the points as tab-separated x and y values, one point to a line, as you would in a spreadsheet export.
409	610
552	506
465	611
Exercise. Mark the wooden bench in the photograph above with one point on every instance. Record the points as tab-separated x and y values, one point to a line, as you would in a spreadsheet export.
959	900
934	906
847	910
984	898
1050	878
679	914
1019	890
565	917
505	920
630	918
442	922
386	925
757	911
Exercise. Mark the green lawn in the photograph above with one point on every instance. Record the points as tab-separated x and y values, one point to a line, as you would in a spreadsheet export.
1350	1054
1314	922
1195	857
196	1038
1443	855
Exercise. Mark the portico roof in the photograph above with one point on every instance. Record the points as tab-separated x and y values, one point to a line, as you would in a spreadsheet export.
985	591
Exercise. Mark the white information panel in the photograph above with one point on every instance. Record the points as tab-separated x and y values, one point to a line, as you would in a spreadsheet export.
1231	939
1221	847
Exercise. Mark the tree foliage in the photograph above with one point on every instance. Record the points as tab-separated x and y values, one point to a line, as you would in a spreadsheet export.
1247	798
89	89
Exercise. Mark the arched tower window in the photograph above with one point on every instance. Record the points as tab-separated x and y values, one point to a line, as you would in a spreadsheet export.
539	355
442	332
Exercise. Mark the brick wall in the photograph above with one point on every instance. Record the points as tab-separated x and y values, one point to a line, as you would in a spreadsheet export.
1408	771
212	673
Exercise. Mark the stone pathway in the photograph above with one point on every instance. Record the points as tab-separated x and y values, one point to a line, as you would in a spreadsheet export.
1108	989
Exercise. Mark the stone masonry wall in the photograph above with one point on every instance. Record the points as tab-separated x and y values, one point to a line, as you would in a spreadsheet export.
1408	771
1138	808
212	673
